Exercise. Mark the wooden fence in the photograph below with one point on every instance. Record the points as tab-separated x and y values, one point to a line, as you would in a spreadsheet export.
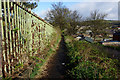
22	34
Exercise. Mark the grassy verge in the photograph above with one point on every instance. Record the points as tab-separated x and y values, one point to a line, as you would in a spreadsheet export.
38	65
50	49
89	61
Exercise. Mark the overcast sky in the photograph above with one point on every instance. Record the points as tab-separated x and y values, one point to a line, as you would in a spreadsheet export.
83	6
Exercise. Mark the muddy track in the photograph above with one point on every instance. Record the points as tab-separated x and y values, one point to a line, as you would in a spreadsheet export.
55	67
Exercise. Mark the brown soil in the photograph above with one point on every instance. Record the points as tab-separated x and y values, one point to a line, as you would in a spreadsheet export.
55	67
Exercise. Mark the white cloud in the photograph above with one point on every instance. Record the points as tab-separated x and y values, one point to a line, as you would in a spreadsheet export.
79	0
101	0
112	16
43	13
111	8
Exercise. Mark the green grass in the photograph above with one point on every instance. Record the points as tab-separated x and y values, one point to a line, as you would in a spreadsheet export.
40	62
36	69
90	61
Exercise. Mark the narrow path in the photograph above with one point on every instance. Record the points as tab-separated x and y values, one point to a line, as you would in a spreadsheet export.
55	67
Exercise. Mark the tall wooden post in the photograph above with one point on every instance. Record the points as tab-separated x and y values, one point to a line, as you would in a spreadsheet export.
1	39
29	34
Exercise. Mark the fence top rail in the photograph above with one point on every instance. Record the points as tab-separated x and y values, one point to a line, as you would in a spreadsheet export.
33	14
20	0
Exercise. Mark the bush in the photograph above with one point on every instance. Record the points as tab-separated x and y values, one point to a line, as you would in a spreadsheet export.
87	60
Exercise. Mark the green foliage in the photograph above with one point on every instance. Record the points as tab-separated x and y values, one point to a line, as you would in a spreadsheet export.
7	78
39	64
90	61
60	16
36	69
15	29
30	5
18	66
37	58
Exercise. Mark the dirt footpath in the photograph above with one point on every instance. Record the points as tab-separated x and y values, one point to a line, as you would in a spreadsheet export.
55	67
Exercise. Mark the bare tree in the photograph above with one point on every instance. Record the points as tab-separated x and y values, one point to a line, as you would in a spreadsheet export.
60	16
96	15
97	23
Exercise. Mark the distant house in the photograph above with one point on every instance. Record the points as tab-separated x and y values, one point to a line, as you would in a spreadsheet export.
88	31
88	39
118	28
116	36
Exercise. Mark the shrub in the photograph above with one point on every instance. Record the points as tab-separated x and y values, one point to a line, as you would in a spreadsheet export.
87	60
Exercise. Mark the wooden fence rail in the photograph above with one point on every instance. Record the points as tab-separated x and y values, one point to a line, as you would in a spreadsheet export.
22	33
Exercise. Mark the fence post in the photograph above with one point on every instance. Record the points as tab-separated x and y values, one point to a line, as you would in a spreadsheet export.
6	39
29	21
9	37
30	33
0	39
